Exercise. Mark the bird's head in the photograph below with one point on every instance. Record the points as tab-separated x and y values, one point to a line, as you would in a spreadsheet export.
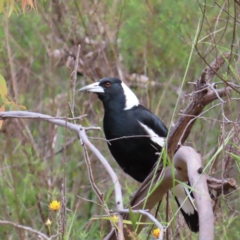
110	90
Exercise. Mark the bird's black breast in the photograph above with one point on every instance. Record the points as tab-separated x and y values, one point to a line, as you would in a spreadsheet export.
129	143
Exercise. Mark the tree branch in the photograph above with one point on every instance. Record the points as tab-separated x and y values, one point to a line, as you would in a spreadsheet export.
29	229
200	99
82	134
187	166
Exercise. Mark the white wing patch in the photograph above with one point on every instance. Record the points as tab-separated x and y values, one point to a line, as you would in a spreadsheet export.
153	136
181	193
131	98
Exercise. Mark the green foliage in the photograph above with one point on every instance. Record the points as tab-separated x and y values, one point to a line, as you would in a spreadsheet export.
151	38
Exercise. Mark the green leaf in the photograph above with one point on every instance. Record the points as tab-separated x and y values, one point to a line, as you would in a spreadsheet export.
3	88
236	157
114	219
11	7
133	217
1	5
235	145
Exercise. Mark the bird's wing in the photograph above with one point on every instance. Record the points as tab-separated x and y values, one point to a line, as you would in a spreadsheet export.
151	124
186	203
154	126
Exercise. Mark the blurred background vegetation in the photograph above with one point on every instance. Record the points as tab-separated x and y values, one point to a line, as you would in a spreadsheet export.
148	44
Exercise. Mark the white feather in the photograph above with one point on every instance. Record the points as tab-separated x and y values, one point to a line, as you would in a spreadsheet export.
153	136
131	98
184	199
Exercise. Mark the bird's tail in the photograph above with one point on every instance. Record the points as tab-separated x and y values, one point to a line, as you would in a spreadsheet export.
185	202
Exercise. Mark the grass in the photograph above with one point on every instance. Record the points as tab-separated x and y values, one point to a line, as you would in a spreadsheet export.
150	38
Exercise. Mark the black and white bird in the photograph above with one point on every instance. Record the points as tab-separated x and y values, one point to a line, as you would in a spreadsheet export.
125	117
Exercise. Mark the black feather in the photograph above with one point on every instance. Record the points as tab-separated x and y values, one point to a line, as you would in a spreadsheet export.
129	127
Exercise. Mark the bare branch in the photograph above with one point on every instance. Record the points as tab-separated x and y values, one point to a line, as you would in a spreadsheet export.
151	217
220	185
200	192
187	165
91	177
29	229
75	79
82	134
199	100
117	186
181	130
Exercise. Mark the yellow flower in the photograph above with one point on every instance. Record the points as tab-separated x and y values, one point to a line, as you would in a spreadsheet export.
156	232
55	205
48	222
114	218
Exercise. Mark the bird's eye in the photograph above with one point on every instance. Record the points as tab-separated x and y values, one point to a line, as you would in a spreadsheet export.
108	84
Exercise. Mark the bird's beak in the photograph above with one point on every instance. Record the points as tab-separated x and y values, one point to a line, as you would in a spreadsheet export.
94	87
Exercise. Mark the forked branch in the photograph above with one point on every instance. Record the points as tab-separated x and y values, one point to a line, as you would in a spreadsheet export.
200	99
82	134
187	165
204	94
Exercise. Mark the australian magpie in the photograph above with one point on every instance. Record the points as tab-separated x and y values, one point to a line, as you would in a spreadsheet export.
138	135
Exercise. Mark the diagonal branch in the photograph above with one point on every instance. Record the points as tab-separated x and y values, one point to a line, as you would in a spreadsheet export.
200	99
187	166
29	229
202	96
82	134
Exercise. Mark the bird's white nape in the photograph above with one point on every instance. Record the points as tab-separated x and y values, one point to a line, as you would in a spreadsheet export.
153	136
131	98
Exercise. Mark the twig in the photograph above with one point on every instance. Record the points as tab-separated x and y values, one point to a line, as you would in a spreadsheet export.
91	178
67	144
224	116
211	119
216	92
197	104
151	217
29	229
87	200
181	141
54	236
233	35
92	128
222	184
187	165
181	130
10	57
82	134
49	117
117	186
75	79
